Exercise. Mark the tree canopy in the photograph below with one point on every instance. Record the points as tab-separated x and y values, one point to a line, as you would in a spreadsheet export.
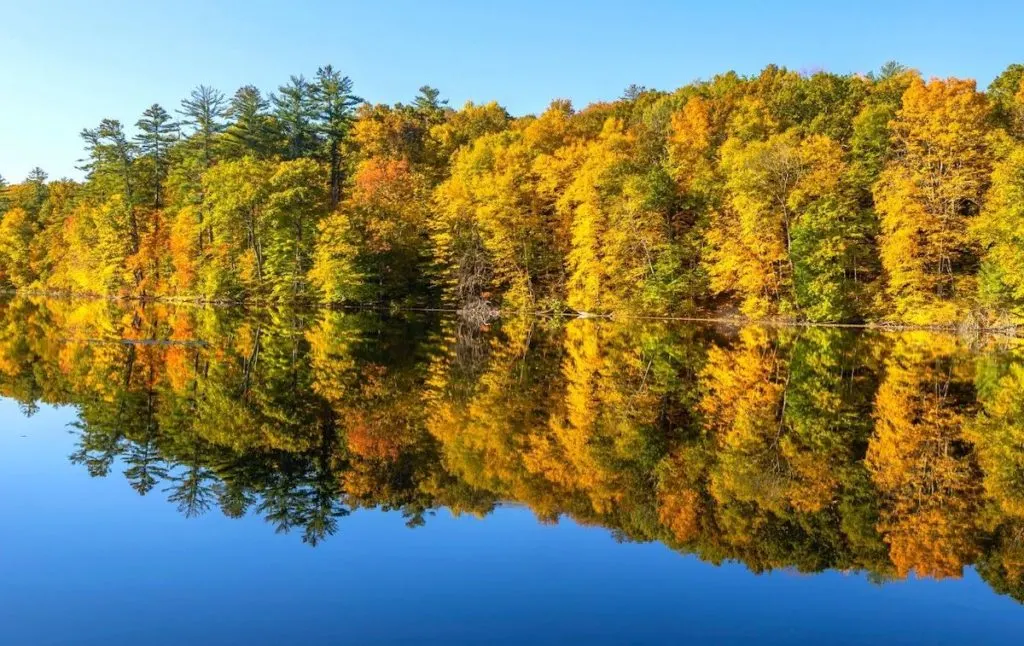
884	197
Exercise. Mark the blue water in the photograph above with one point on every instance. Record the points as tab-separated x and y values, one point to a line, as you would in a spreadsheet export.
88	561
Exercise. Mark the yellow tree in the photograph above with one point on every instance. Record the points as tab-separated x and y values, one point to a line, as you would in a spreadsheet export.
926	196
499	226
589	201
334	275
491	229
16	233
622	253
770	184
691	146
459	129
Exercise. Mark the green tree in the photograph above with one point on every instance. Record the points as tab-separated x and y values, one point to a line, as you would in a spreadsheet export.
830	244
297	111
236	193
336	106
203	111
5	202
1000	230
111	159
251	130
297	200
1006	93
157	132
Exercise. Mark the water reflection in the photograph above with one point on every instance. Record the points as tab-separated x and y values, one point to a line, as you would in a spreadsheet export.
812	449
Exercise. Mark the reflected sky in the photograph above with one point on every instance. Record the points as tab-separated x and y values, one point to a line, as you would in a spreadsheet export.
88	561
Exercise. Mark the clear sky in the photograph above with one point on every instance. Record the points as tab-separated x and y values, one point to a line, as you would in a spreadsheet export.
68	63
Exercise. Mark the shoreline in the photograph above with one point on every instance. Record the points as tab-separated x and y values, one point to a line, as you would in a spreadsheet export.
1009	330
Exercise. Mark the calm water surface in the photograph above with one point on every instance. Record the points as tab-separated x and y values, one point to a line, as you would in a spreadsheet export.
177	475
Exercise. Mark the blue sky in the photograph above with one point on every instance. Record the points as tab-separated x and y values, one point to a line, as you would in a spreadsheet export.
67	64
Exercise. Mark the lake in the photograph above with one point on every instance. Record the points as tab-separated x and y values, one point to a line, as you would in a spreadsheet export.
185	475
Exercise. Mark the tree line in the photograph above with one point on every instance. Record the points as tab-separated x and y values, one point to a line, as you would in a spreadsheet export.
799	447
817	197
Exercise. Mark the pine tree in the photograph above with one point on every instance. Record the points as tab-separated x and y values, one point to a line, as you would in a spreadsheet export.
204	111
4	200
112	156
157	133
36	179
336	107
296	110
37	176
250	132
429	104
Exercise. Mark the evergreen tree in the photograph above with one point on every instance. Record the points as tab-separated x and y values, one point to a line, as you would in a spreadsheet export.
296	108
37	181
336	106
250	132
112	156
429	104
204	111
157	133
37	176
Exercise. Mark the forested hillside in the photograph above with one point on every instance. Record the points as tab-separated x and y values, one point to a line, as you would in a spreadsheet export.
815	197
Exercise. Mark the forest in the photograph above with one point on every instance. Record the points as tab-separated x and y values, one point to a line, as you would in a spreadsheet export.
786	447
811	197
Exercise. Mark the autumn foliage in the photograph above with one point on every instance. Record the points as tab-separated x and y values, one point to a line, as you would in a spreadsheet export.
812	197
